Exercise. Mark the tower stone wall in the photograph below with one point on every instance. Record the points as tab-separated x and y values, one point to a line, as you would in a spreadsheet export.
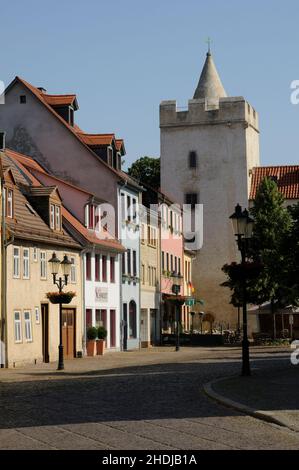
224	134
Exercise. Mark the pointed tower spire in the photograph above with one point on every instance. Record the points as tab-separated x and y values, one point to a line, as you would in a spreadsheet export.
209	85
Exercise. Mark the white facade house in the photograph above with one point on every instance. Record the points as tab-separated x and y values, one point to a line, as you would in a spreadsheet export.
129	234
102	293
101	277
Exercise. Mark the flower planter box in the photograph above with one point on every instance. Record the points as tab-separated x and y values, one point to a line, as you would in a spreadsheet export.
60	298
91	347
100	347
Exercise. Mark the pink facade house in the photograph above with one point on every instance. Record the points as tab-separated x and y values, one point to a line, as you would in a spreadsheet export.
172	252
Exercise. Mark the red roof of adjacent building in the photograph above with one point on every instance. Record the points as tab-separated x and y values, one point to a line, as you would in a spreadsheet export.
74	129
96	139
109	243
286	177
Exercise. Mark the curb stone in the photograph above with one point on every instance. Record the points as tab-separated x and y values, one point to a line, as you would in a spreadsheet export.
262	415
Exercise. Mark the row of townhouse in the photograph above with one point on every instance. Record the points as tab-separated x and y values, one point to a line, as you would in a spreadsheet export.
72	183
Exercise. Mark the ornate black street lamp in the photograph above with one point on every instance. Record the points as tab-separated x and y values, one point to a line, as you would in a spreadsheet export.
177	282
60	283
243	227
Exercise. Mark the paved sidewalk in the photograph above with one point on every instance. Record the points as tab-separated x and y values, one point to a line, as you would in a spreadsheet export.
114	360
271	395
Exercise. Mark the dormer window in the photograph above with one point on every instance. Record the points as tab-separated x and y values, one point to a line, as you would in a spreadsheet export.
52	216
8	203
92	216
55	217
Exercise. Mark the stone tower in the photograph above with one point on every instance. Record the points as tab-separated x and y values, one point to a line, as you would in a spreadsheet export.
207	153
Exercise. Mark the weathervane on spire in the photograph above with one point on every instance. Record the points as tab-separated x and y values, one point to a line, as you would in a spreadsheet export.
209	41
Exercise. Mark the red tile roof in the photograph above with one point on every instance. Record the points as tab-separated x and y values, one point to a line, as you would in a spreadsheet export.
40	95
90	236
59	100
28	163
287	178
25	159
96	139
24	162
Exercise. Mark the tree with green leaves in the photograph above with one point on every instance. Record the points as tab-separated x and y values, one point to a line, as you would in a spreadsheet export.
269	246
147	171
292	253
271	230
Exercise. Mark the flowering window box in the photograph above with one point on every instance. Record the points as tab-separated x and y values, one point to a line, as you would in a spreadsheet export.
60	297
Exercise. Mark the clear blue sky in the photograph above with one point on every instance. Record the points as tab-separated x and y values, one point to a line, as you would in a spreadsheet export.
122	57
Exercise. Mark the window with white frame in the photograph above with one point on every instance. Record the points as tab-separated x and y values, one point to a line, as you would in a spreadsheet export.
10	203
18	327
73	271
28	326
43	265
35	254
52	216
16	262
123	206
37	315
26	263
134	210
90	216
129	208
57	217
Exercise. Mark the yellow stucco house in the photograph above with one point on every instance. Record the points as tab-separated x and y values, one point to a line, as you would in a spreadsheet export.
33	230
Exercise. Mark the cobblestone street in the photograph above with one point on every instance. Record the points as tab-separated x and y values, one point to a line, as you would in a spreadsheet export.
135	400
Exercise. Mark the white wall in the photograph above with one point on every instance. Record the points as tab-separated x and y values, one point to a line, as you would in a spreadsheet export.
130	239
113	301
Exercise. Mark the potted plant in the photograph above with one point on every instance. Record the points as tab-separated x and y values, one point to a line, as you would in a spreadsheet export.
102	335
60	297
91	340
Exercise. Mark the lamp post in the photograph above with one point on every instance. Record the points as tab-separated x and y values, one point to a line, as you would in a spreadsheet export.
177	281
243	227
60	283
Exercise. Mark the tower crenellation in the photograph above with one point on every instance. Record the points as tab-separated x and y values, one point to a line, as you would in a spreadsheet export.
229	110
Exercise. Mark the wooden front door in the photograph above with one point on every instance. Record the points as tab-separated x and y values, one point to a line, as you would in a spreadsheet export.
68	332
45	332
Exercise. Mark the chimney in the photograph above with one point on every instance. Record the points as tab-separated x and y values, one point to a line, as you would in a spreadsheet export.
2	140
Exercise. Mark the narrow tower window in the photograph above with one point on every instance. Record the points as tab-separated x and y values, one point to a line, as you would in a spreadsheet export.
192	159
